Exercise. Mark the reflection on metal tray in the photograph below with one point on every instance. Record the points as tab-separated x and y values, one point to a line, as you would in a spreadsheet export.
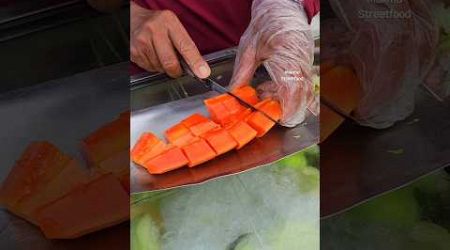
358	163
278	143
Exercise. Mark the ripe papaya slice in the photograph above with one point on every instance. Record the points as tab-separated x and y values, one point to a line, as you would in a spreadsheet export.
96	205
107	140
198	152
194	120
167	161
248	94
179	135
203	127
333	81
38	165
220	140
242	133
260	122
147	147
72	176
217	110
241	116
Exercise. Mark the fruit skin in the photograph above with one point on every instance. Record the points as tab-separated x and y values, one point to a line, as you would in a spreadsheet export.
169	160
198	152
39	163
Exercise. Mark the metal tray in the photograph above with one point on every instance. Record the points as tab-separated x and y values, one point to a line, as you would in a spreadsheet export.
278	143
359	163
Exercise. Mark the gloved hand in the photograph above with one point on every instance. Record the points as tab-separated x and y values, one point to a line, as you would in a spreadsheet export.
390	54
280	38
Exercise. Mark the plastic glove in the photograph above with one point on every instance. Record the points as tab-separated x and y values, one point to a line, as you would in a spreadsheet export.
280	38
391	56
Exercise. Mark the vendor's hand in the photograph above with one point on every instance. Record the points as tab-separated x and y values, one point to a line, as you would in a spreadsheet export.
279	37
390	55
156	37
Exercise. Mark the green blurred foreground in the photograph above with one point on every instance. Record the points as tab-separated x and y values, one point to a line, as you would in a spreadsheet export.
273	207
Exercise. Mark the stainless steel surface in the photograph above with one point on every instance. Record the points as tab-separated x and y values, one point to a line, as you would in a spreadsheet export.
359	163
278	143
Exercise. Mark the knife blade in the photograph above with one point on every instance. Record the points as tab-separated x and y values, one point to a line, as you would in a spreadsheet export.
337	110
214	86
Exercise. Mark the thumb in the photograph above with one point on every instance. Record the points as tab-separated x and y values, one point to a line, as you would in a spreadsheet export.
245	66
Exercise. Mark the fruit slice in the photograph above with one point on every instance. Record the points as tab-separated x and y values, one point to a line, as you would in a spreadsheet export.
119	165
203	127
99	204
232	105
242	133
194	120
241	116
217	110
332	83
220	140
167	161
39	163
147	147
198	152
260	122
248	94
72	176
179	135
329	122
107	140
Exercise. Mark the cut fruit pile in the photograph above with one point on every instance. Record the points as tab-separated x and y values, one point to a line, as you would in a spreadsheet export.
197	139
52	190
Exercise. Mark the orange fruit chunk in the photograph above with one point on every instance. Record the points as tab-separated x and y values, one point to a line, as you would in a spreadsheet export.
38	165
179	135
167	161
96	205
259	121
194	120
203	127
248	94
242	133
220	140
198	152
147	147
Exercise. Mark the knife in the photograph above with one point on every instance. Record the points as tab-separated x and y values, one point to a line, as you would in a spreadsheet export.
214	86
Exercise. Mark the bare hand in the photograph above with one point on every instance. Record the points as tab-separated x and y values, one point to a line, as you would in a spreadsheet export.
156	37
